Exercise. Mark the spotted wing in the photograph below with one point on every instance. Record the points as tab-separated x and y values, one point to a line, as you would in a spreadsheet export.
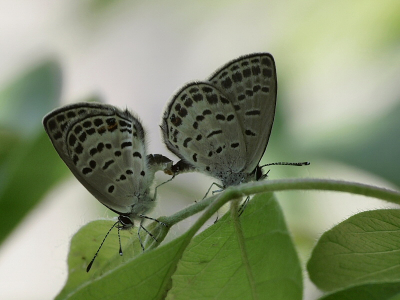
105	149
250	84
200	126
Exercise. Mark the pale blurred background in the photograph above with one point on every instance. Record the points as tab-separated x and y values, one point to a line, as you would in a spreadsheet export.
338	65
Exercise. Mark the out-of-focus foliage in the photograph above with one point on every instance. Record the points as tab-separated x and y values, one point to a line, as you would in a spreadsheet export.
29	166
374	147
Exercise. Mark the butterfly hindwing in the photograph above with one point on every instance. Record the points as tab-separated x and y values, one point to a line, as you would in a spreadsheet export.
200	126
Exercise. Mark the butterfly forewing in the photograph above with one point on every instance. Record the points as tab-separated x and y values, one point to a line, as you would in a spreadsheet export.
250	83
105	150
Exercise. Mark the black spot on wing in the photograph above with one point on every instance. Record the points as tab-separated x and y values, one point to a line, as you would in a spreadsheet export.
249	132
98	122
107	164
126	144
82	137
79	149
254	112
57	135
267	72
212	98
78	129
176	121
111	189
246	72
100	147
214	133
71	114
92	164
86	170
256	70
227	83
265	89
60	118
52	124
72	140
87	124
188	103
237	77
91	131
198	97
220	117
186	141
137	154
93	151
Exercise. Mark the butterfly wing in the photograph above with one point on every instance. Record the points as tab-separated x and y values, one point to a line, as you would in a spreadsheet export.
105	149
250	83
200	126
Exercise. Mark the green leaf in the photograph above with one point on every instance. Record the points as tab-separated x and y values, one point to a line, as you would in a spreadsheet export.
215	267
28	164
265	263
25	101
361	250
381	291
29	172
84	245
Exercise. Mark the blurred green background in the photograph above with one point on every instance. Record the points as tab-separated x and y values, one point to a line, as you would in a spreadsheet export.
338	65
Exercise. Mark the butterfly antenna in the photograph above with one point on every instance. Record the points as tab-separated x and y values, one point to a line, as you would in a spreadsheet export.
97	252
119	239
306	163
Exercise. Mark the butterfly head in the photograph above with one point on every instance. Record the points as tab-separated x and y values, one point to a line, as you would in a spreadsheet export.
125	222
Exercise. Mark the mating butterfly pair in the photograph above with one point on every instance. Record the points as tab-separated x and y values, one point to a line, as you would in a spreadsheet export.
219	126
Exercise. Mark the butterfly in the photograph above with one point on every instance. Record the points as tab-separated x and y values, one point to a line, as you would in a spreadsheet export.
105	149
221	126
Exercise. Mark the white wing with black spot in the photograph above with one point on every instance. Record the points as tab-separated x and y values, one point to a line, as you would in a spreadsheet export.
222	126
105	149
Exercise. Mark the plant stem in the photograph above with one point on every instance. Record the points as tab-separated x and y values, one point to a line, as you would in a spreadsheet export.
286	185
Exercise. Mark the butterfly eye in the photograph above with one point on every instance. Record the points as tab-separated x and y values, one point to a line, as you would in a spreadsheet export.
125	221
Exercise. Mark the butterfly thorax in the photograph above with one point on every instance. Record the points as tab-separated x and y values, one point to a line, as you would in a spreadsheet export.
236	178
229	179
143	203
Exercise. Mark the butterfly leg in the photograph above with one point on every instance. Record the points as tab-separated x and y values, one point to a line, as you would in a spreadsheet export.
138	233
149	218
213	192
148	232
243	206
217	191
155	190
